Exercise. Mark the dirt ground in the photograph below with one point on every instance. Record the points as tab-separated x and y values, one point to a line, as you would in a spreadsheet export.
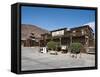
33	60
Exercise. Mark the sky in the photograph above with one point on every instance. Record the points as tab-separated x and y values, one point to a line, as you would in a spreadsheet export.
56	18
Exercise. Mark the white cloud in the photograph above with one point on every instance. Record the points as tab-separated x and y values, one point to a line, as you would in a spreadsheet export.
91	24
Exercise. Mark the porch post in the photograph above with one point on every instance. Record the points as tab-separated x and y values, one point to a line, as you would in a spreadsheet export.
60	41
70	39
87	41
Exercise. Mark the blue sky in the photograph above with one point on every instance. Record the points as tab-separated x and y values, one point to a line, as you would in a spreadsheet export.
55	18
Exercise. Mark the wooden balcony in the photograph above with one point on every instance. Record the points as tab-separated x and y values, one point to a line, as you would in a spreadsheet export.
79	34
67	34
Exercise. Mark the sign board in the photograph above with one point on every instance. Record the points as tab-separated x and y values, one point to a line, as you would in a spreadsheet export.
58	33
63	47
44	50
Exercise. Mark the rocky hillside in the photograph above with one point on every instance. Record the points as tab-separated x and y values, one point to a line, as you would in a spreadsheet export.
27	29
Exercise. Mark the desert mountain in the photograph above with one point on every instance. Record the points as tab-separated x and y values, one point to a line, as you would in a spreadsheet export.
26	30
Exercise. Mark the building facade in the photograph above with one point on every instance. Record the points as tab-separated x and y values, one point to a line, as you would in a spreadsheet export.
65	36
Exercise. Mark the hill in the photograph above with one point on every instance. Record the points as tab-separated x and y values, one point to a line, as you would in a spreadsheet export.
27	29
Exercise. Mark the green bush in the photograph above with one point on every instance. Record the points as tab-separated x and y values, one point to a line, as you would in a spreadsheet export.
51	45
75	47
58	47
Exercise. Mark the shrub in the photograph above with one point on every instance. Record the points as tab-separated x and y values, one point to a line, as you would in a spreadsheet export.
75	47
58	47
51	45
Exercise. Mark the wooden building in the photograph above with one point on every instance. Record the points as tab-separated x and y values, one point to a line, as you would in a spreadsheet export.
31	35
30	41
65	36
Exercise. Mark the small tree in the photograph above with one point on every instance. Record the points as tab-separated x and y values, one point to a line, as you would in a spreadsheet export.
51	45
75	48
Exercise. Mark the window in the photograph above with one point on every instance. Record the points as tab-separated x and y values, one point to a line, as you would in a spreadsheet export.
82	32
74	31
